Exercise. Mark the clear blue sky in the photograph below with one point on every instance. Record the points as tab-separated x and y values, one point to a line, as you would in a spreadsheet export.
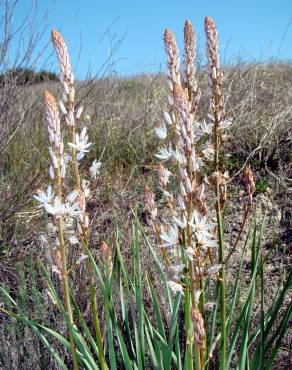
251	29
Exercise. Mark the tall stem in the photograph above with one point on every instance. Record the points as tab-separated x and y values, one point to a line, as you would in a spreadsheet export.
188	331
66	291
64	274
92	290
221	242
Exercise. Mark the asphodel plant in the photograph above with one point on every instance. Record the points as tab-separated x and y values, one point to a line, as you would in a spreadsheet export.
54	204
66	209
79	146
192	237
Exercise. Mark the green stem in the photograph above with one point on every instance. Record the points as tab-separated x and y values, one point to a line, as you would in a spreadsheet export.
221	281
220	228
64	272
66	291
188	331
96	323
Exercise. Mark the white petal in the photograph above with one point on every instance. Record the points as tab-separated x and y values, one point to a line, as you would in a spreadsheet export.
62	106
161	131
167	118
79	112
83	133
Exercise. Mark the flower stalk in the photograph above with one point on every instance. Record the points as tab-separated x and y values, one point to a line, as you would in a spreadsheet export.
58	172
190	233
79	143
217	116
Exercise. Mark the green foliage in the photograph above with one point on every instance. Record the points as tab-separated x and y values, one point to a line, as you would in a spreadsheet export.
26	76
138	335
261	185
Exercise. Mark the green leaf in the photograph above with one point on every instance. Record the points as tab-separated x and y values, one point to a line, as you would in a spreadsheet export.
7	295
236	287
244	315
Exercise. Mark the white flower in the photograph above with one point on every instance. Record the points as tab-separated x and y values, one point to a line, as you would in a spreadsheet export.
163	174
81	259
57	209
206	242
213	269
164	154
175	287
166	193
226	124
203	129
43	197
72	210
200	225
67	158
181	222
73	240
208	152
161	131
179	157
181	202
95	169
190	253
85	187
79	156
81	145
171	238
72	196
177	270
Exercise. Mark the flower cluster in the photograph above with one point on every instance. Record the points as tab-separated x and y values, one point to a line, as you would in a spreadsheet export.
56	150
189	229
193	147
72	206
191	242
79	144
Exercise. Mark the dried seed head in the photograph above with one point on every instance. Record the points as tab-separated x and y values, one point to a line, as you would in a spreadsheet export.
199	329
249	179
